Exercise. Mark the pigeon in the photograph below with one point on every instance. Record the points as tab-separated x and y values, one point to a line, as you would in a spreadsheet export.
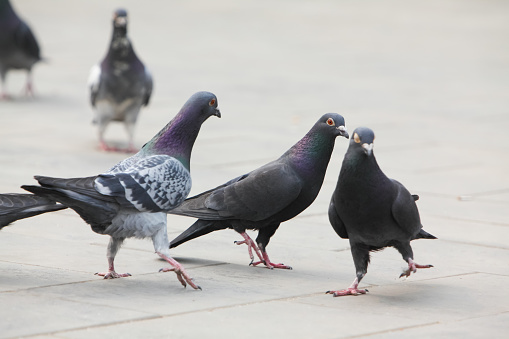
132	198
120	85
15	206
372	210
18	47
266	197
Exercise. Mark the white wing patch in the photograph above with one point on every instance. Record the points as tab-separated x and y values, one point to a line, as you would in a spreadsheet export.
94	78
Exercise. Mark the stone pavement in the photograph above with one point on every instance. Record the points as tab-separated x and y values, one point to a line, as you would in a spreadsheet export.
430	77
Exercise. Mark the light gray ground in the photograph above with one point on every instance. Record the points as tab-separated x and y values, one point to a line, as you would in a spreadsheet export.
431	78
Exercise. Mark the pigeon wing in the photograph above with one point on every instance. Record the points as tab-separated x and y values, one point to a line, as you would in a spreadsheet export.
94	80
157	183
335	220
259	195
148	87
25	39
404	210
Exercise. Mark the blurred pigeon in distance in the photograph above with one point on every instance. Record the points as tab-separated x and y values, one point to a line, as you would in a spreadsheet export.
120	85
18	47
14	206
266	197
132	198
372	211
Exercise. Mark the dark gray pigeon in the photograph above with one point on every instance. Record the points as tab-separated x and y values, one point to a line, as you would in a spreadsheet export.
372	210
132	198
267	196
120	85
14	206
18	47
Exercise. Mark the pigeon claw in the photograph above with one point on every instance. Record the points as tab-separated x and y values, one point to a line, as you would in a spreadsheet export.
182	275
348	291
412	268
251	245
271	265
112	275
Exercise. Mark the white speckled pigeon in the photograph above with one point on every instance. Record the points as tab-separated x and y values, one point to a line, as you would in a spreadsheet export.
133	197
120	85
15	206
18	47
372	211
267	196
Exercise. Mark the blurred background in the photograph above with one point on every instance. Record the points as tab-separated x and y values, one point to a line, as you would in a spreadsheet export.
431	78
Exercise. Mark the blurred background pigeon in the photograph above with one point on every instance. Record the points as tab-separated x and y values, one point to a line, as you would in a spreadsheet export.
372	210
15	206
18	47
267	196
120	85
133	197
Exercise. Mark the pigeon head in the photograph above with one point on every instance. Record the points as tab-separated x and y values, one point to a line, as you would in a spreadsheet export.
332	123
311	154
177	138
362	140
120	19
207	102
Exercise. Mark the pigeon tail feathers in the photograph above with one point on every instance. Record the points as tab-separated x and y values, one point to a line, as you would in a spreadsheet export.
97	210
20	206
424	235
199	228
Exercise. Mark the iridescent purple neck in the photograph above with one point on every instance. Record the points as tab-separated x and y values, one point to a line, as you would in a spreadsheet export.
177	138
312	153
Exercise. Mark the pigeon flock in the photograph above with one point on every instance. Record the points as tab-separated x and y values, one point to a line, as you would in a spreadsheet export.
133	198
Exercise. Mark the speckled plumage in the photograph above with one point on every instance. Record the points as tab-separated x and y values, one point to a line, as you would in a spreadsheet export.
131	199
269	195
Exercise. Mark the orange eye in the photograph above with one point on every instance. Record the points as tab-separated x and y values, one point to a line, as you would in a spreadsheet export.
212	102
356	138
330	122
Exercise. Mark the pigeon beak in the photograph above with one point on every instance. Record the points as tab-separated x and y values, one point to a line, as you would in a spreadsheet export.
343	132
121	21
368	149
218	113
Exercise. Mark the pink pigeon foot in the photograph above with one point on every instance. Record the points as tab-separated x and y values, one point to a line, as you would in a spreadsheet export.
412	268
113	275
29	89
266	261
251	245
5	96
105	147
352	290
182	275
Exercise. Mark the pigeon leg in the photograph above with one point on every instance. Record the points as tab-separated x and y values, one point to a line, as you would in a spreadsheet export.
250	246
360	254
113	248
270	264
352	290
29	88
130	148
182	275
107	148
412	267
264	235
3	92
129	126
